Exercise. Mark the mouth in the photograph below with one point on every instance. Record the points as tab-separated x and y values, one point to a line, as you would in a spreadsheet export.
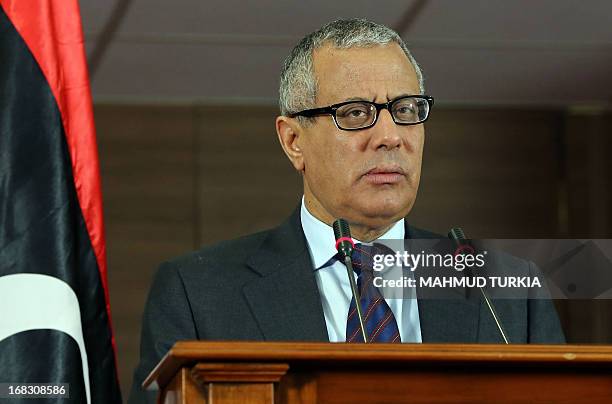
384	175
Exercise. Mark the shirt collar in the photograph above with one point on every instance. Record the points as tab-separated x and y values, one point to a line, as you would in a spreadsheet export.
321	240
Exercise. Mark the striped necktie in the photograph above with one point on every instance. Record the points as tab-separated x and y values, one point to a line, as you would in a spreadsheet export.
379	320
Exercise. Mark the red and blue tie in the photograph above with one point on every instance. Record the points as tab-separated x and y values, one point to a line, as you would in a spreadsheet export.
379	320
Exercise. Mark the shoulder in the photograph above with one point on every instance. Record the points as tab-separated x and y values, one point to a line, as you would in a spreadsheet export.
232	250
218	257
286	238
418	233
499	256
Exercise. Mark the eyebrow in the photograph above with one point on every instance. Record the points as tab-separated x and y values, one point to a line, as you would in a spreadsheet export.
370	100
403	95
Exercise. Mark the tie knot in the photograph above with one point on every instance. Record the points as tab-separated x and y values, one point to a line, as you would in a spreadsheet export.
363	257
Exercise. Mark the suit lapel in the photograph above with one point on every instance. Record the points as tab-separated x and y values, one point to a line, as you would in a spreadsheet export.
285	300
453	319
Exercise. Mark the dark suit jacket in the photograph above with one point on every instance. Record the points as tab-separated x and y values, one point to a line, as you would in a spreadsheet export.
262	287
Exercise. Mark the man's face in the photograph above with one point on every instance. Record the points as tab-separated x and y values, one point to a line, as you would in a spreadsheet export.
370	176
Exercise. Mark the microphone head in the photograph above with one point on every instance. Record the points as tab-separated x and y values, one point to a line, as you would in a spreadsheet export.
342	233
457	234
341	228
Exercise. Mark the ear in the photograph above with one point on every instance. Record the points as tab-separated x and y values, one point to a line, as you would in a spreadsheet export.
289	131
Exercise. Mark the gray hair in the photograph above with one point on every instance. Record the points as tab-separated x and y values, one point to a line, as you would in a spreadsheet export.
298	84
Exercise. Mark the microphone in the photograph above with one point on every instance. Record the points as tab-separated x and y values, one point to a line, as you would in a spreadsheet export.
456	234
345	245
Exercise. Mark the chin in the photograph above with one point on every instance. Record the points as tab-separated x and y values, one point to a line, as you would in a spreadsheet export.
385	211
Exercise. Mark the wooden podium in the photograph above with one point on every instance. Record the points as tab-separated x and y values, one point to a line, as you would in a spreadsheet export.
266	372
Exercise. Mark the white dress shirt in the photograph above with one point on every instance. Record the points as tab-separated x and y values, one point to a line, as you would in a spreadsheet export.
334	285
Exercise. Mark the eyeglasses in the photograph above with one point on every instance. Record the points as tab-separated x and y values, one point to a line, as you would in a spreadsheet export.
356	115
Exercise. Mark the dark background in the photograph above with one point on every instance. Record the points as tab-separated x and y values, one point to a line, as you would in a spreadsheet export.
185	99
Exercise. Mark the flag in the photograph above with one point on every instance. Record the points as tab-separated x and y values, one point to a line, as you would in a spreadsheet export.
55	323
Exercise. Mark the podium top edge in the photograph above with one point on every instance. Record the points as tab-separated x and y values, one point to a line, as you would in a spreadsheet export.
186	352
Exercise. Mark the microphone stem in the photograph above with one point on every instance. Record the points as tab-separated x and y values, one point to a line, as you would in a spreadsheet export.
349	267
457	235
494	313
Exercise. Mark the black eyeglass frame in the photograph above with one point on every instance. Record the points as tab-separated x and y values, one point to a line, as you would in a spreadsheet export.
331	110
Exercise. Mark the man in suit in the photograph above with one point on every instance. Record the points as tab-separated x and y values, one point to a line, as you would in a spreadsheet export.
352	111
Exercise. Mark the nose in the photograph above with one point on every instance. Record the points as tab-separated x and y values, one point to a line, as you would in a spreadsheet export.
385	134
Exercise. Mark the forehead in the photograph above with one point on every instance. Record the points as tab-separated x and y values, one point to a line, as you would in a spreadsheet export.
379	72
